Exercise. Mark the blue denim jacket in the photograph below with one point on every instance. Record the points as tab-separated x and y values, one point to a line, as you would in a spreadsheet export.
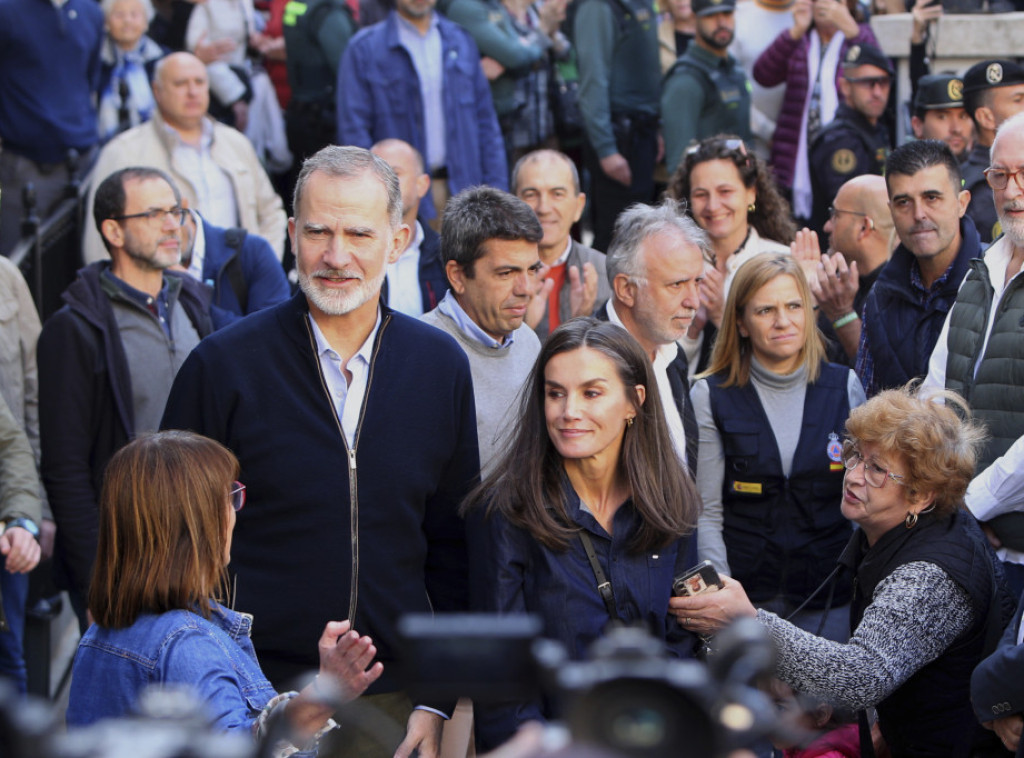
511	572
215	658
378	96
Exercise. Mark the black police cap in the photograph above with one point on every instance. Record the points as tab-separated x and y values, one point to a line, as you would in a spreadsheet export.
939	91
992	73
710	7
866	55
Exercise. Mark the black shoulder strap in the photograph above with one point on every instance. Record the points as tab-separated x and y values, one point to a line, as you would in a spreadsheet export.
235	238
604	587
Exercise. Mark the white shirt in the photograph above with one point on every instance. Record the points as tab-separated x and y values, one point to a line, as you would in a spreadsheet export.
195	264
404	279
346	396
662	358
215	195
999	489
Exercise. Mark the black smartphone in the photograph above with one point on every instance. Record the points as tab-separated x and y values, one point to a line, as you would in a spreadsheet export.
701	578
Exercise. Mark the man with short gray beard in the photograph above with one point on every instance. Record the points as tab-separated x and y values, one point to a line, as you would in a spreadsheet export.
655	266
980	354
355	429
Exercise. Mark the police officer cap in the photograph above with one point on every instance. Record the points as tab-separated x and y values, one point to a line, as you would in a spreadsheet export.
939	91
866	55
992	73
709	7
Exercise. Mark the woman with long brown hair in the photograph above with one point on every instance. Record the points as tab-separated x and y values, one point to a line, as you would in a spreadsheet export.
167	510
590	491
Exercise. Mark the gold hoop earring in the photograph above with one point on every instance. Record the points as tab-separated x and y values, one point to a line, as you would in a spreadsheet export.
629	421
752	207
911	521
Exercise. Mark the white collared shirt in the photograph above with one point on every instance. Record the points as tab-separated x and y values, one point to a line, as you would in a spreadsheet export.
404	279
346	396
662	358
195	264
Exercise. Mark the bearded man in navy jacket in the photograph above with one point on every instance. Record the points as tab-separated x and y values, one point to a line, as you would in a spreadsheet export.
356	431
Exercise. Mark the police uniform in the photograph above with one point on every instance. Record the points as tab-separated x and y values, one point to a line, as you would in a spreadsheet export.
704	94
983	76
849	146
316	33
619	97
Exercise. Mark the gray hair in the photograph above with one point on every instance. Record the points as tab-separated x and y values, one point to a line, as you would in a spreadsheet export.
1012	124
637	223
348	162
479	214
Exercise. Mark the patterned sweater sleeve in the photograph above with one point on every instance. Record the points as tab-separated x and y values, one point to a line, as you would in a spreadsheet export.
916	613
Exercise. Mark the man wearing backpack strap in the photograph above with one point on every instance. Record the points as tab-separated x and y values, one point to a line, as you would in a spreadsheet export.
242	269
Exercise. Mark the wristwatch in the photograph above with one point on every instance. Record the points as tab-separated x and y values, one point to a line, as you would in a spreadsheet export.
27	524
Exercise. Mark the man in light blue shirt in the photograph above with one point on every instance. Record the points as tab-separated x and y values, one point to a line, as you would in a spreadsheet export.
489	241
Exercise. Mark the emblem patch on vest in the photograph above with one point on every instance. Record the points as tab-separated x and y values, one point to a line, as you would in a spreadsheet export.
834	448
749	488
844	161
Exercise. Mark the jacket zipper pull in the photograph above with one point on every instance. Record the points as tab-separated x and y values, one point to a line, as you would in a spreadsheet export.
351	460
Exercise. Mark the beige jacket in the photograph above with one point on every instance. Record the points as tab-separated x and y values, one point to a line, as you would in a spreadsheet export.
259	207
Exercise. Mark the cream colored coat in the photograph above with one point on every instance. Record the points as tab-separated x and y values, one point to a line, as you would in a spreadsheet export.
260	208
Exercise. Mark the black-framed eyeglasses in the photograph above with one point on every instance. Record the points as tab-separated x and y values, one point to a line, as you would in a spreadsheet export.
157	214
869	82
998	178
833	212
237	496
874	475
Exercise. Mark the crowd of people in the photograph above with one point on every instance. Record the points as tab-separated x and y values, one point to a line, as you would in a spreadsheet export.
334	274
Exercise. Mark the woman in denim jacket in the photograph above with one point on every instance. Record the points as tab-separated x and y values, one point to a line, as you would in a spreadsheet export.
167	512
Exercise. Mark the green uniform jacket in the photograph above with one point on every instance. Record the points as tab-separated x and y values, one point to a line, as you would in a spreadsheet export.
703	95
316	34
618	64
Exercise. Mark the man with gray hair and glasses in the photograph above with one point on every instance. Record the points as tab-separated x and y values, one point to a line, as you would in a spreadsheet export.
356	432
655	266
980	354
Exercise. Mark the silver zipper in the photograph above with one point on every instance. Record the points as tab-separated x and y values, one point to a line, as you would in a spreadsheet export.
353	482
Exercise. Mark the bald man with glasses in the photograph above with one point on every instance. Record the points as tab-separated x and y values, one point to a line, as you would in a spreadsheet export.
108	357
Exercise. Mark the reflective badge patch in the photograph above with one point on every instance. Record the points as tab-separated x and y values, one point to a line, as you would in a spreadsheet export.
844	161
750	488
834	449
836	467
